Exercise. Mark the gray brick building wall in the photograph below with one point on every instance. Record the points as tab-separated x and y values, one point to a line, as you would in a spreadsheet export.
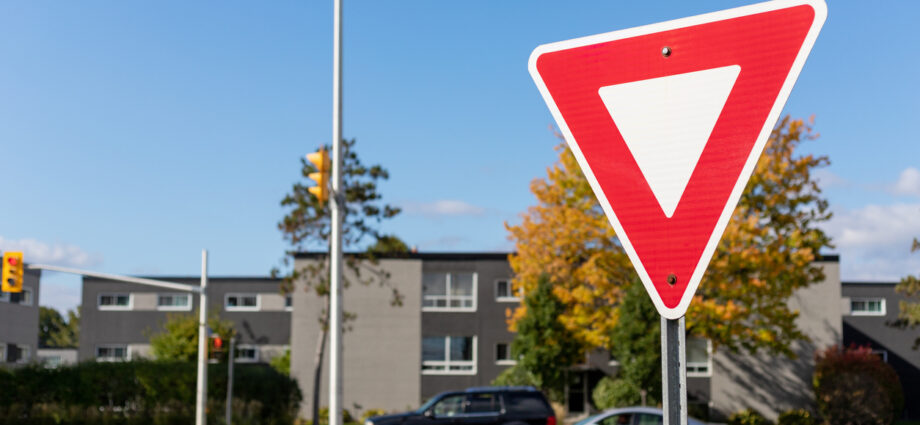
19	319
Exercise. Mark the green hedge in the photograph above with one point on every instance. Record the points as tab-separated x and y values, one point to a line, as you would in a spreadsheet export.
142	392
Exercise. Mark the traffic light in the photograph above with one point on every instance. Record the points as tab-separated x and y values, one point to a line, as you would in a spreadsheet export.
12	272
320	159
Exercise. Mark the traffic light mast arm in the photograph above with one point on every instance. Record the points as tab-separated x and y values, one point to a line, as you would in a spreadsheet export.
128	279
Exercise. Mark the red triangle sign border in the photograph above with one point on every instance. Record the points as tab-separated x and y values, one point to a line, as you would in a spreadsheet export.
678	310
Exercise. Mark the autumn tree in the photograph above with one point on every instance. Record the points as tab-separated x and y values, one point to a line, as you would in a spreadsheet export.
178	337
307	222
767	251
909	310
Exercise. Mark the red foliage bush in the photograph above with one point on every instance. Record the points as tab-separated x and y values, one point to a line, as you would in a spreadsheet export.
854	386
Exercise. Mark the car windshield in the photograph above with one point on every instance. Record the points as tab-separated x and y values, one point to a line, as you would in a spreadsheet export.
427	404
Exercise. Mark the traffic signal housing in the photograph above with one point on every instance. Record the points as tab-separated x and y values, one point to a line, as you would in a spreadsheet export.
12	272
320	159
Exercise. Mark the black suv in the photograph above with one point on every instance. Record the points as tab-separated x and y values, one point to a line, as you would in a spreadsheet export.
478	406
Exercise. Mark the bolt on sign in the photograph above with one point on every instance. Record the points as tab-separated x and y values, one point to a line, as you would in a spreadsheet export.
668	120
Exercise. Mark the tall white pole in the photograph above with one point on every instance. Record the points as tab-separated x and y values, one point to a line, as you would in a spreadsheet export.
337	209
201	395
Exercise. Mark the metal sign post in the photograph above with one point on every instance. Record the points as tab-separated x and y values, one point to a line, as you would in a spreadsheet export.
674	371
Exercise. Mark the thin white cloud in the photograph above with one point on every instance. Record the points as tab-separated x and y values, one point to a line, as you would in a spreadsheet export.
442	208
58	254
908	182
874	241
828	179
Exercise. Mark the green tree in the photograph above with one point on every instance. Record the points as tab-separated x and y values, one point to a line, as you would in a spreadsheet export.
282	363
638	351
909	310
307	222
56	332
767	252
542	344
178	338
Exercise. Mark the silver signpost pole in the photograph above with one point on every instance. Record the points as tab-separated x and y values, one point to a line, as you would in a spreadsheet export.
337	211
674	371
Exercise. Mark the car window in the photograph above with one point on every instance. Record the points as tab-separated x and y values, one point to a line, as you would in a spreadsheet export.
483	403
525	403
449	406
621	419
649	419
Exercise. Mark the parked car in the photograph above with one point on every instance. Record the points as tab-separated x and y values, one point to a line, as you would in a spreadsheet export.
631	416
478	406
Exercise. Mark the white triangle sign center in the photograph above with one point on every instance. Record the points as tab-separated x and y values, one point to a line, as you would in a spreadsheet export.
667	130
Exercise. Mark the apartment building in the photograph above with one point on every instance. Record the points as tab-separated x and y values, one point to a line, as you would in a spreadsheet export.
450	332
870	318
19	319
118	319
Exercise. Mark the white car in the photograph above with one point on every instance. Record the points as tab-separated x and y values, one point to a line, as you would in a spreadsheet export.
630	416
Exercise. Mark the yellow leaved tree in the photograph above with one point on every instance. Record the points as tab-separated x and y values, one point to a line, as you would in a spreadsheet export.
767	251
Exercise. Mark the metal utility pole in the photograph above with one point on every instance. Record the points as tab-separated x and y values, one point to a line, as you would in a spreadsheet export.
674	371
337	210
228	413
201	395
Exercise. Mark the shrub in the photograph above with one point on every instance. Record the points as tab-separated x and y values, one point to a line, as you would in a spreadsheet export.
142	392
372	412
854	386
796	417
748	417
615	392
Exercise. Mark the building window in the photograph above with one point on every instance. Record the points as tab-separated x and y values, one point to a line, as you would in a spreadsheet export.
114	301
12	353
52	362
449	292
503	354
449	355
699	359
504	291
111	353
23	298
289	302
4	297
174	302
246	354
867	306
242	302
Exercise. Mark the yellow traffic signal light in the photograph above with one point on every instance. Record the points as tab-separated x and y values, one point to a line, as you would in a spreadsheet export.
320	159
12	272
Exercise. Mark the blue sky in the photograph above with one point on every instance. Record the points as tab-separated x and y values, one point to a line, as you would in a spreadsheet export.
134	134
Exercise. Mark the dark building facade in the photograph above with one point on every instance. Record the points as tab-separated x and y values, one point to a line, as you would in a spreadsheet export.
19	322
871	319
118	319
450	332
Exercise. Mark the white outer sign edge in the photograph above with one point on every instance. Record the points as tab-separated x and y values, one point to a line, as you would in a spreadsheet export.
820	9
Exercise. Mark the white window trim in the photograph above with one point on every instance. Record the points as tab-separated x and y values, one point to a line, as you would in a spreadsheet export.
869	313
247	360
708	363
504	362
30	297
291	307
448	363
506	299
113	359
448	296
257	307
101	307
187	307
25	354
2	352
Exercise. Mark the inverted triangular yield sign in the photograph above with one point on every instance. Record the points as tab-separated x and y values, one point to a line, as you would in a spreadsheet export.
667	122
